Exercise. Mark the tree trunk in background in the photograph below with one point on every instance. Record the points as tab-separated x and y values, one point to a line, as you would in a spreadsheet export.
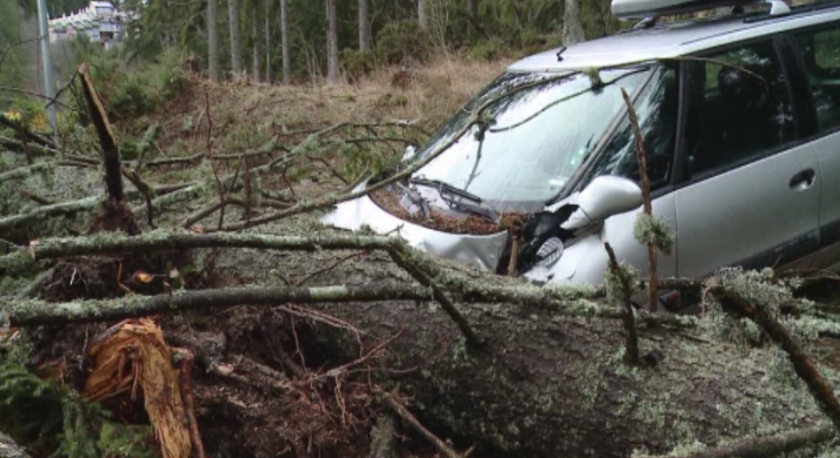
472	10
235	48
332	42
284	36
572	27
473	5
213	39
364	25
267	42
255	31
422	18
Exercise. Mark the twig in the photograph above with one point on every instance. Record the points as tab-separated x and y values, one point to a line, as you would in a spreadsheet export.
338	371
207	211
412	421
641	157
765	446
329	267
35	198
631	356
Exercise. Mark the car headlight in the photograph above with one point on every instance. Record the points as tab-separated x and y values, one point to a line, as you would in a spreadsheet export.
550	251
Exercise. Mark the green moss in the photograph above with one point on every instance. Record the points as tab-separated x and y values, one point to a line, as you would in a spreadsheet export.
654	230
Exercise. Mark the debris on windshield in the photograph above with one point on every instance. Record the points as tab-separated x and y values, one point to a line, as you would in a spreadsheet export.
389	200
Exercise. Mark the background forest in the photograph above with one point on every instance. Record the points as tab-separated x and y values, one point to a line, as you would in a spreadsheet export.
288	41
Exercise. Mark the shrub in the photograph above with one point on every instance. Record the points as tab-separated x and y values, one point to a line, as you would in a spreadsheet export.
357	63
401	41
487	50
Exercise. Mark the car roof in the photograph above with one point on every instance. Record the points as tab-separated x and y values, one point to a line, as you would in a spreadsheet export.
671	40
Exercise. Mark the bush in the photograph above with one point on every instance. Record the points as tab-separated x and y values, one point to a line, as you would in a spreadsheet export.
357	63
401	41
131	94
487	50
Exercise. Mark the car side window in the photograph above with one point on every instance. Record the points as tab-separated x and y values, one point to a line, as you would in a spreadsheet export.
657	110
820	51
739	108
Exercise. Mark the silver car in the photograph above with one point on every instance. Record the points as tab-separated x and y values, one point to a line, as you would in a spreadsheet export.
740	117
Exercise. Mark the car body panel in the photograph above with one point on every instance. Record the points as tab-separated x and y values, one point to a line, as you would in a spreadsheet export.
748	212
827	150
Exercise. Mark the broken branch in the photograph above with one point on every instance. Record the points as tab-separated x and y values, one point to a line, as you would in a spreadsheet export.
36	312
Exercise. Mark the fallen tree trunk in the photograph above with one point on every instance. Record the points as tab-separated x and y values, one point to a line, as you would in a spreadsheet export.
549	386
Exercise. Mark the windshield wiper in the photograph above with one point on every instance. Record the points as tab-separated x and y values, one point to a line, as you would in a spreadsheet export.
458	199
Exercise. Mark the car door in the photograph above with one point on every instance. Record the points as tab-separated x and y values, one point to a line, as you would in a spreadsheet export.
748	194
819	59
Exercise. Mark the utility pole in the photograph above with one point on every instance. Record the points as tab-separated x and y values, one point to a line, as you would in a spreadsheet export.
46	62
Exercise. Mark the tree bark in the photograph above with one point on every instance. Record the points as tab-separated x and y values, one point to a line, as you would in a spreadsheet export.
545	386
284	37
364	25
572	26
422	17
332	42
255	32
213	39
235	42
268	42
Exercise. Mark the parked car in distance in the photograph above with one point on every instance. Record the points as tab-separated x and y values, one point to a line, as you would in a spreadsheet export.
740	117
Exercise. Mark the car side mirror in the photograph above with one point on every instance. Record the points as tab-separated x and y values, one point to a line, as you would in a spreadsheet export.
604	197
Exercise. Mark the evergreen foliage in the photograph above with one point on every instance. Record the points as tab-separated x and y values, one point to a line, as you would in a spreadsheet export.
42	412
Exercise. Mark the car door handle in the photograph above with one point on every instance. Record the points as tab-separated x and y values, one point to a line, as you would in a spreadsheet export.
803	180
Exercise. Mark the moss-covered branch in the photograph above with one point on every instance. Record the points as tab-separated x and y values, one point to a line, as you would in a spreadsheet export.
36	312
63	208
111	243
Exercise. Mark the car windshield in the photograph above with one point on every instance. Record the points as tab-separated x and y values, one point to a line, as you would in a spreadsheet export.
531	141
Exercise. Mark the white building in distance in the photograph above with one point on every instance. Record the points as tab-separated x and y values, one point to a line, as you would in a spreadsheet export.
100	21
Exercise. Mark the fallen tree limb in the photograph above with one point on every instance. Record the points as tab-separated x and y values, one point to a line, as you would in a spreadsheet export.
543	298
268	148
765	446
106	244
415	424
398	255
35	312
63	208
26	133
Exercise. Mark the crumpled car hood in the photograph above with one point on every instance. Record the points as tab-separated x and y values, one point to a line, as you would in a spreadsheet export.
482	251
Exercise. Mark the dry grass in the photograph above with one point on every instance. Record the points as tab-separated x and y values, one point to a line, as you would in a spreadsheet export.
248	112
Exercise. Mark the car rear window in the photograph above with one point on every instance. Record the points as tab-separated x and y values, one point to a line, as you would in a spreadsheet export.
820	51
